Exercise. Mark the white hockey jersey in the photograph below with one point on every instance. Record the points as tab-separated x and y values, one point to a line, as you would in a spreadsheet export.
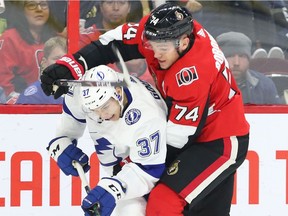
139	134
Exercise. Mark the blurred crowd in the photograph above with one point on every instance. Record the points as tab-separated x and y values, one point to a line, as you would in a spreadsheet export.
33	35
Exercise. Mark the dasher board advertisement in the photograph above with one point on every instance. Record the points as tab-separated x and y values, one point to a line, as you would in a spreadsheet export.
31	183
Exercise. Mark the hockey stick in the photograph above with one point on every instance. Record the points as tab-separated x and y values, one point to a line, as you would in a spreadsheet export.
125	82
85	184
123	65
64	82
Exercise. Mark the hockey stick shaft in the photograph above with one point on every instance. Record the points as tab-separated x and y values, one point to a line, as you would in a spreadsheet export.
64	82
84	181
123	65
125	82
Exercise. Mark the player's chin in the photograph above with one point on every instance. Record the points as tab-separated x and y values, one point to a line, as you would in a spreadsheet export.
115	117
165	65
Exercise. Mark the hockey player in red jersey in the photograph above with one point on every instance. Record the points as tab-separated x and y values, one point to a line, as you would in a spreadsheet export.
207	133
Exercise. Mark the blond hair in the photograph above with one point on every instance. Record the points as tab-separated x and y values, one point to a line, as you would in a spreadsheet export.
53	42
50	45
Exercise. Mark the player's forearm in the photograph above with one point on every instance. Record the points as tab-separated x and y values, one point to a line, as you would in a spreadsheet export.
97	54
100	51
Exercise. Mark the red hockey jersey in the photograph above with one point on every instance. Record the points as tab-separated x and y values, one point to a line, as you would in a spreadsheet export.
201	75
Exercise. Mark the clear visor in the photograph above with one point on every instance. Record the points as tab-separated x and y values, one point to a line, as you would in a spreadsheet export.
103	107
161	45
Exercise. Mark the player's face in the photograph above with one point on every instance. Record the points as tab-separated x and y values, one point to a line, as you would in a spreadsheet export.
167	52
36	12
239	64
110	111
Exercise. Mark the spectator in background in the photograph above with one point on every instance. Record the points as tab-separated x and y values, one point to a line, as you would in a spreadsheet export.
256	88
88	11
54	48
110	15
264	22
21	46
271	24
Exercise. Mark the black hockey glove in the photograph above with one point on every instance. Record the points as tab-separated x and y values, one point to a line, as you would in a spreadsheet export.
66	67
50	75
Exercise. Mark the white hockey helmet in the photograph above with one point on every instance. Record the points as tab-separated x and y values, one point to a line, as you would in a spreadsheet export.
94	97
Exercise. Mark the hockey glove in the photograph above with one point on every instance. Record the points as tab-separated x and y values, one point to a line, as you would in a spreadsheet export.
66	67
64	151
105	195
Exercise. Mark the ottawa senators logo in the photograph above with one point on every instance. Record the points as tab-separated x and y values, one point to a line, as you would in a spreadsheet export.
186	76
173	169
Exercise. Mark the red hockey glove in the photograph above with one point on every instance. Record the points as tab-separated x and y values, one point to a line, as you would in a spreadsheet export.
67	67
75	68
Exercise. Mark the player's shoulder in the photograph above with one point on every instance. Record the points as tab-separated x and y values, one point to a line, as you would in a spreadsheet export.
205	54
132	32
72	98
146	105
204	42
145	91
144	119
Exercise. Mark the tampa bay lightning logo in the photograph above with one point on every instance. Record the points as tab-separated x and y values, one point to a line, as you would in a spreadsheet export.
132	116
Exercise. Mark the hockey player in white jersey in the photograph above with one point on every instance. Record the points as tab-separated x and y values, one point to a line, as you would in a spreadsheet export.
125	123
